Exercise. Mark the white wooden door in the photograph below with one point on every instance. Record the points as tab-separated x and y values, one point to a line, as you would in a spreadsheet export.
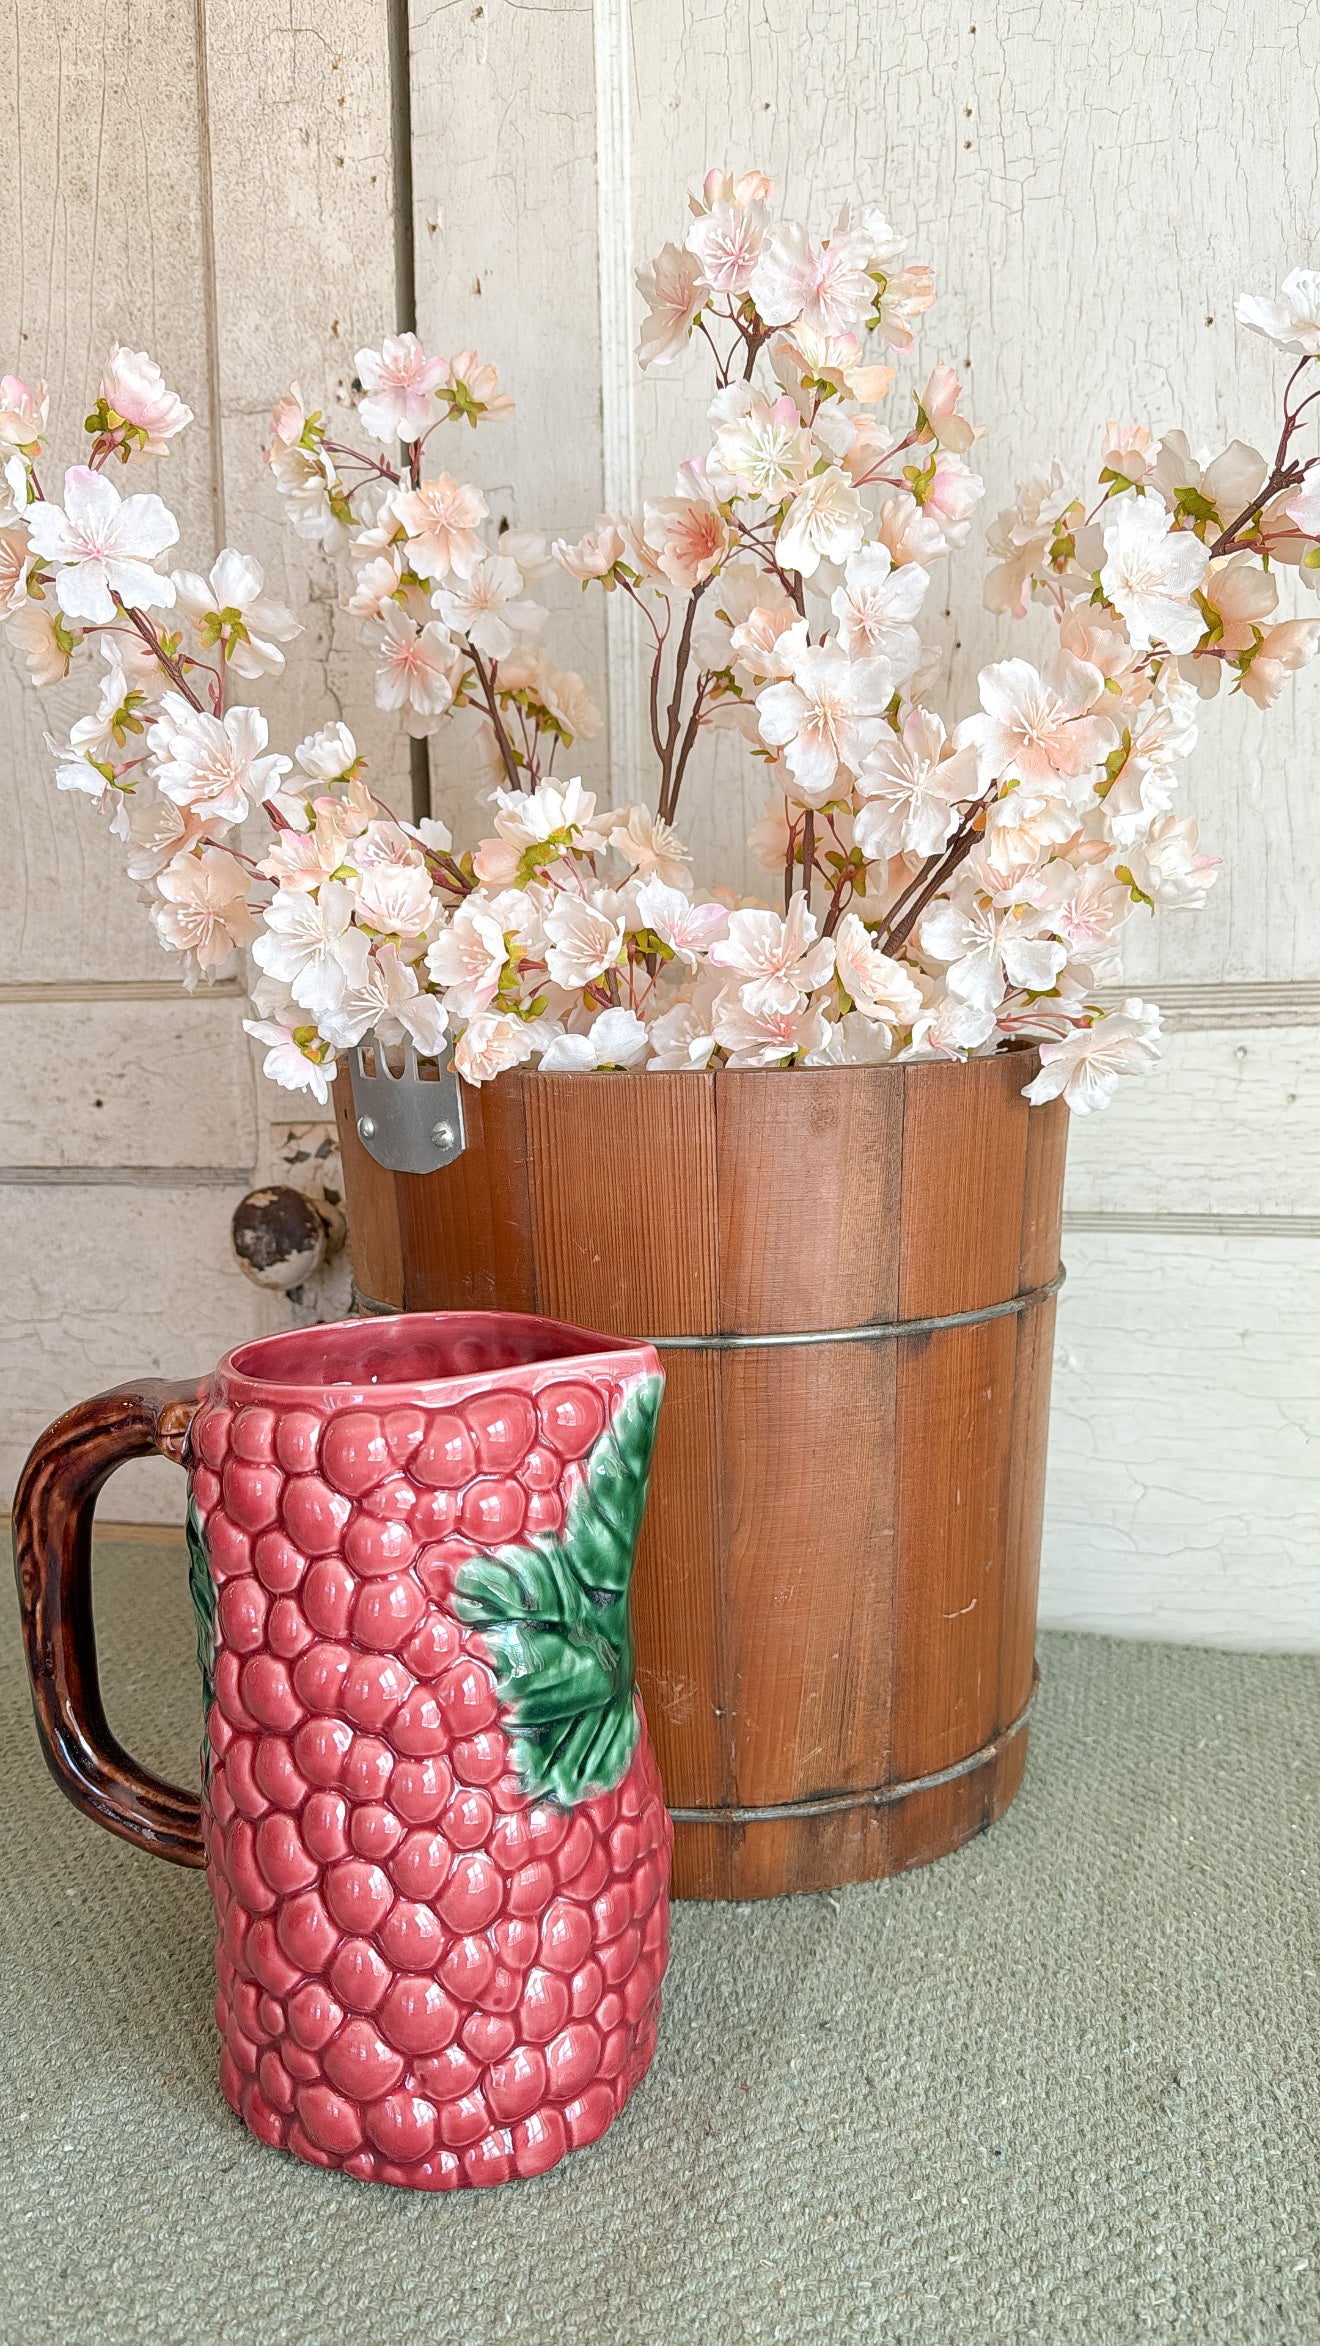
1092	187
213	185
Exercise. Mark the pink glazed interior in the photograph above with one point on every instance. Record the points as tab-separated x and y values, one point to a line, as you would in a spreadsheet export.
411	1350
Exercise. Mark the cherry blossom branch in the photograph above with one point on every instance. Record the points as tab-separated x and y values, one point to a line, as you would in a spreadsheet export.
790	581
486	679
171	666
376	464
673	718
1284	474
808	851
688	742
900	922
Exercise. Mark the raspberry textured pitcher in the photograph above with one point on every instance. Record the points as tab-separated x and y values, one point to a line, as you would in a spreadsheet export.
429	1814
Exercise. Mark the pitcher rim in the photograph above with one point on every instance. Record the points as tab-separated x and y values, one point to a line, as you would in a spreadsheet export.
242	1377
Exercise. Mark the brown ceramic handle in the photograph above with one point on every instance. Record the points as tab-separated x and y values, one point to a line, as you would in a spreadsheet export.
53	1510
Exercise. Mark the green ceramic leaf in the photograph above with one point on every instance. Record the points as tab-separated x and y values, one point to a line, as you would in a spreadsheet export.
202	1590
554	1617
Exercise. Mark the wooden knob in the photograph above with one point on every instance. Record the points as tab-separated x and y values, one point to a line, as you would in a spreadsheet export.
281	1236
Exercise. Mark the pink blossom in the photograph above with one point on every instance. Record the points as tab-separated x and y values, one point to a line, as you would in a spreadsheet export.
441	521
688	929
880	989
204	912
939	410
912	786
688	538
829	715
826	286
784	959
950	497
492	1042
1086	1066
825	523
135	392
762	1035
594	555
23	412
400	381
217	766
103	546
727	243
673	289
415	664
1038	726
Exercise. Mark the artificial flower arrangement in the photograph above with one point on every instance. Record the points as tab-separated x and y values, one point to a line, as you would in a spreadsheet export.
932	889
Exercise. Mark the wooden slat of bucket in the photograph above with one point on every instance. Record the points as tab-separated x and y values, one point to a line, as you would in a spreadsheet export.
681	1593
810	1565
809	1185
467	1238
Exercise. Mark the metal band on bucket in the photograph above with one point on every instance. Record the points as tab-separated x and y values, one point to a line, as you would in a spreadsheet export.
871	1332
877	1796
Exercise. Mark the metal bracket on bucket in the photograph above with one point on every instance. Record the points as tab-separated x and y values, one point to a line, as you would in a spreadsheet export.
410	1122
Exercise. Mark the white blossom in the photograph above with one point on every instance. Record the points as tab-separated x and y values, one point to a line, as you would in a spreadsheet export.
487	606
1151	572
1293	320
830	714
104	546
229	608
824	523
217	765
616	1038
300	942
1086	1066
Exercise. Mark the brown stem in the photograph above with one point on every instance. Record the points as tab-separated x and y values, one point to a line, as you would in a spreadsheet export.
896	931
790	863
170	666
376	464
838	901
675	709
486	679
808	852
1283	475
792	585
686	745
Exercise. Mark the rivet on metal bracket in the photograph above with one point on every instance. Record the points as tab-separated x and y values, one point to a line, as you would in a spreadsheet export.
408	1122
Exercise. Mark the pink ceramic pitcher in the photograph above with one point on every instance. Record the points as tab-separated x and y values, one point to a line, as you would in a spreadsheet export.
431	1821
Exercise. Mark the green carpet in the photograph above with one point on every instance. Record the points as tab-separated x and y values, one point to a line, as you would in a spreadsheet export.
1061	2087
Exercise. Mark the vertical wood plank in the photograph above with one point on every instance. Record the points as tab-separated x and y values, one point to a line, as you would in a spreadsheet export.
100	226
299	155
681	1599
954	1441
811	1559
964	1154
1026	1505
622	1172
375	1243
809	1196
466	1231
505	206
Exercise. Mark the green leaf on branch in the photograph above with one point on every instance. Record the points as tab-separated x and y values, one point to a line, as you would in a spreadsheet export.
554	1618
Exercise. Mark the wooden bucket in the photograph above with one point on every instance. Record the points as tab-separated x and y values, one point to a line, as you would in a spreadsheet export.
850	1274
